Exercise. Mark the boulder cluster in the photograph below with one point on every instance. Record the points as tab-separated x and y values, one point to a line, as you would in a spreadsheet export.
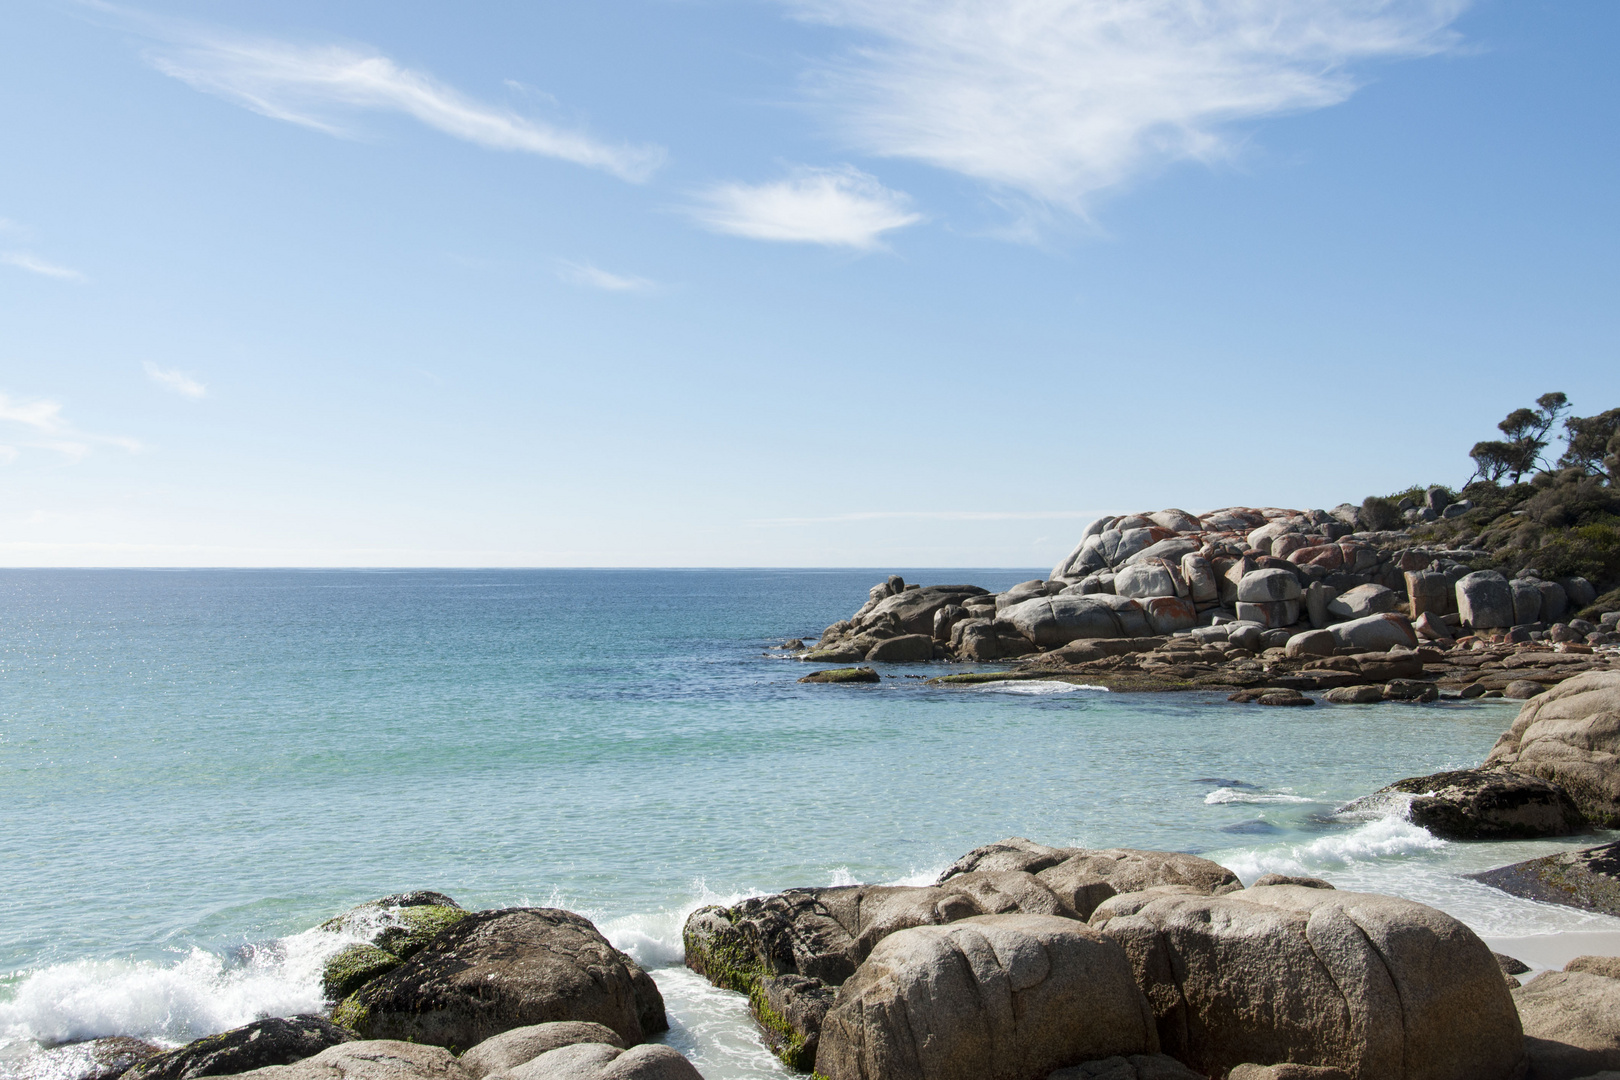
508	994
1268	575
1027	962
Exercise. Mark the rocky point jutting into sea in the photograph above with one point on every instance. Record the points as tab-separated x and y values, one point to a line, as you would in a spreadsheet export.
1270	603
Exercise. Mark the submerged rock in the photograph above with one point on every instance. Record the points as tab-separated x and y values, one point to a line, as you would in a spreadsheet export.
1588	878
999	996
273	1041
1373	985
844	675
95	1059
498	970
1475	804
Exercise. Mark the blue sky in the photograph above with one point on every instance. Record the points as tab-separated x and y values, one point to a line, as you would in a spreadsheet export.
809	282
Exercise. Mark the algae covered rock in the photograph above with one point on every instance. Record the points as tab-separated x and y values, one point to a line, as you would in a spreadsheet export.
391	929
497	970
273	1041
352	968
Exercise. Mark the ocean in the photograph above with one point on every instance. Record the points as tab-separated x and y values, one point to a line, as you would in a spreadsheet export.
197	767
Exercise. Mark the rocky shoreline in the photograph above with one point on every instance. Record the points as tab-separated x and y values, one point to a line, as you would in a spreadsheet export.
1020	962
1247	600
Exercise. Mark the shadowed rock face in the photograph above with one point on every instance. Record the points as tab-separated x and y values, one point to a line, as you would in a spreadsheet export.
497	970
1473	804
1571	1024
1588	879
274	1041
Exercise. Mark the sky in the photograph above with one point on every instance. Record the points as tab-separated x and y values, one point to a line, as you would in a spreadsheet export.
872	283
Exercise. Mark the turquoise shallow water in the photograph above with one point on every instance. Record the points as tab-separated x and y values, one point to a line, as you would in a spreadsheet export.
196	767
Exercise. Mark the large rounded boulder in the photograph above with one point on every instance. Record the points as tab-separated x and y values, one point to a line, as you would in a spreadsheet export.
498	970
1570	736
1057	620
996	997
379	1059
1373	985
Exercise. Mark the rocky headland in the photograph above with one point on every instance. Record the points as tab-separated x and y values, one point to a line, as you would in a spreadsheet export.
1269	604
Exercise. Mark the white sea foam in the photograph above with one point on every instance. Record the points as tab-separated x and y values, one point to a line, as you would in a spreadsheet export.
1381	839
198	994
653	939
1034	686
841	877
1223	795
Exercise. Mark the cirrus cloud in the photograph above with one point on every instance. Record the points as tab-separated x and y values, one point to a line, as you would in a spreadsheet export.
314	85
1059	99
43	427
841	207
176	380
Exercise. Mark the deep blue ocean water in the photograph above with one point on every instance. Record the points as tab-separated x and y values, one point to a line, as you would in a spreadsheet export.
197	767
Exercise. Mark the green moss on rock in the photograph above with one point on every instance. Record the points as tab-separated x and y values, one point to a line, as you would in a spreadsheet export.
351	1014
720	953
785	1042
414	927
352	968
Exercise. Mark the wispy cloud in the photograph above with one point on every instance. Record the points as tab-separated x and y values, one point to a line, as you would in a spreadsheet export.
22	260
316	85
841	207
43	427
1059	99
175	380
597	278
932	515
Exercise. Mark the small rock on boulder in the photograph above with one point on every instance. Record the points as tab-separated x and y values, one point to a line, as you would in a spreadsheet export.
596	1061
1363	600
1002	997
1375	633
512	1048
273	1041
